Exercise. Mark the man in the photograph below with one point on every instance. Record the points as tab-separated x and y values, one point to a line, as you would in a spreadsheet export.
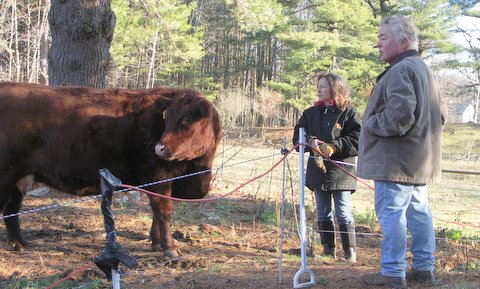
400	149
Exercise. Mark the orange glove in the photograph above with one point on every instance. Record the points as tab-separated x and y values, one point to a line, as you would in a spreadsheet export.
327	149
318	159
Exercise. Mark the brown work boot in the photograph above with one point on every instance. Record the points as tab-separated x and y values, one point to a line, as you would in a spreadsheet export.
380	280
422	277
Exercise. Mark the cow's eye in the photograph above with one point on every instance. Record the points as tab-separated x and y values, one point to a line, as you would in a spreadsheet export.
186	120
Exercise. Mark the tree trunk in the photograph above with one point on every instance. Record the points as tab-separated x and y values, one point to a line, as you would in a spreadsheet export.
81	33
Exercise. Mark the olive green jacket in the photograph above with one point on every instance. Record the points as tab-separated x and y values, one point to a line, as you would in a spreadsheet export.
400	139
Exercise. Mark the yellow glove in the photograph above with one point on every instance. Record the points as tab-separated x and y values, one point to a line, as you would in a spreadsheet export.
327	149
318	159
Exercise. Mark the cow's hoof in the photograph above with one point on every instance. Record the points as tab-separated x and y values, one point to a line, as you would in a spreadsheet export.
157	248
171	254
18	246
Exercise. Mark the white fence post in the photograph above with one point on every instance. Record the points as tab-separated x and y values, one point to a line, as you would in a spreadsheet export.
282	210
303	227
115	279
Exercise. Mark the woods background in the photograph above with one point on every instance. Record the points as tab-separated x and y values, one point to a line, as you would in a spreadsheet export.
256	60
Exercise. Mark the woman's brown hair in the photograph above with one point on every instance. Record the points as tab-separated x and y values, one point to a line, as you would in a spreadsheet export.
340	89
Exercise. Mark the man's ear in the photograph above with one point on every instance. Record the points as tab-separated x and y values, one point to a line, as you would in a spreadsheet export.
405	43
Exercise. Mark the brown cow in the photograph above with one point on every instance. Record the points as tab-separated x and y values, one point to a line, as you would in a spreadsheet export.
62	136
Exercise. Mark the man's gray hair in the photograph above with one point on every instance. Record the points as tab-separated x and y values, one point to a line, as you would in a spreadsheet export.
402	27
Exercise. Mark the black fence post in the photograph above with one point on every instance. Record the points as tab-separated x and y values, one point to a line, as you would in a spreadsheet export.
112	253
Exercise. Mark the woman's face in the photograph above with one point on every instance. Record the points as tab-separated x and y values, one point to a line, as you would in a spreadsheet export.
324	91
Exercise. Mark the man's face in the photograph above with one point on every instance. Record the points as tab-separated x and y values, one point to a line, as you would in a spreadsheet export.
388	46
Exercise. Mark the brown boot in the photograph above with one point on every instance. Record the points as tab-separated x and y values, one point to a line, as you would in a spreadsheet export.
422	277
378	279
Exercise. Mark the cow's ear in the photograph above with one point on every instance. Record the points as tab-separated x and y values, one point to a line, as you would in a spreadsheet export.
204	108
162	103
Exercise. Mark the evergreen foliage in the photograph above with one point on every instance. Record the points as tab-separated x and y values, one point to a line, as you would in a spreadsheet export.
228	47
155	40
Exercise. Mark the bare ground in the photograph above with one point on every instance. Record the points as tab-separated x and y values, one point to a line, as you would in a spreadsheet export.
222	245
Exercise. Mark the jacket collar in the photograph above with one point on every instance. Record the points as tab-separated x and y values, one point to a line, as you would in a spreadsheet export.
321	104
399	58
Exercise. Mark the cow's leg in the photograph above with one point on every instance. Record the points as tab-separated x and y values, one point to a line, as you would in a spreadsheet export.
10	203
160	232
15	238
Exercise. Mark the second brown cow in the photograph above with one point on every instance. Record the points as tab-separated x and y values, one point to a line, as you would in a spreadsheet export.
62	136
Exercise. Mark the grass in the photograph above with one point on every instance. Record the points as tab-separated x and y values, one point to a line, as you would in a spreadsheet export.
461	142
366	218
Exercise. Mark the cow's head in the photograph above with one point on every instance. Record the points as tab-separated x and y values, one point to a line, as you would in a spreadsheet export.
191	128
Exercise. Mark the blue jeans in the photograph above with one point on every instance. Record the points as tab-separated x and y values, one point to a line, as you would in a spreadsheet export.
341	200
401	207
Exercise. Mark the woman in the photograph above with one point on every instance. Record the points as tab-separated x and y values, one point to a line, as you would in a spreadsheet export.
332	127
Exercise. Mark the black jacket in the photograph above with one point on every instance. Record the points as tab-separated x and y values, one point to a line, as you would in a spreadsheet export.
340	128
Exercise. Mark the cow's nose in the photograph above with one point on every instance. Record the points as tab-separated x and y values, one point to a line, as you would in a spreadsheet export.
160	150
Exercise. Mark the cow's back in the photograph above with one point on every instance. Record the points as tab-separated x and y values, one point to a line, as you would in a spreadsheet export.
63	135
89	100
